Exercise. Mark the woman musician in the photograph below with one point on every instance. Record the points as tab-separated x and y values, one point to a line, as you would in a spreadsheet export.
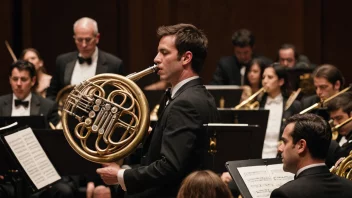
275	99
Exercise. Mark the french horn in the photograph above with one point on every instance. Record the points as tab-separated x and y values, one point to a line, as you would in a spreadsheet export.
111	116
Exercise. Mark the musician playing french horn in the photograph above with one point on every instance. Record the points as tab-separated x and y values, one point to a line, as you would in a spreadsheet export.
179	138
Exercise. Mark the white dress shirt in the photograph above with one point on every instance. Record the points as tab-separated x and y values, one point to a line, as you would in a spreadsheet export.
120	173
21	110
82	72
275	107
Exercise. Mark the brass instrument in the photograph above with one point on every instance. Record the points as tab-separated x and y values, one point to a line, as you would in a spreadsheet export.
344	169
248	104
110	125
292	98
324	102
335	129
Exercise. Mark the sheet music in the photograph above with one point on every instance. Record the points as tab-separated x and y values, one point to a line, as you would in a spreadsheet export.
262	180
257	180
279	176
32	157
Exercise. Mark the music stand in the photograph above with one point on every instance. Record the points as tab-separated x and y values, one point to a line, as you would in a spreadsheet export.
229	139
225	95
64	158
251	117
35	122
232	169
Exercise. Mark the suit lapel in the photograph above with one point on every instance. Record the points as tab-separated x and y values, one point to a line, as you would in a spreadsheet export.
68	72
35	105
101	63
7	108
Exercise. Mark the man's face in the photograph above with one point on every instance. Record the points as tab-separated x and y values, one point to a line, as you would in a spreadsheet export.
243	54
86	40
21	83
287	57
170	67
325	89
289	150
338	117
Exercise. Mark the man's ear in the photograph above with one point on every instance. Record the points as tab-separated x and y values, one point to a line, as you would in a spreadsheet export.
281	82
302	145
34	79
187	57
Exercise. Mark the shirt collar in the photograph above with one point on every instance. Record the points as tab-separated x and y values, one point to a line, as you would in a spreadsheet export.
309	166
180	84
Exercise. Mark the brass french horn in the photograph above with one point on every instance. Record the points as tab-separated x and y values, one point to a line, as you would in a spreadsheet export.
112	114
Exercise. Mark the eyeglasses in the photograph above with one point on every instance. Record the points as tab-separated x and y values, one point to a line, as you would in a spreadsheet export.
81	40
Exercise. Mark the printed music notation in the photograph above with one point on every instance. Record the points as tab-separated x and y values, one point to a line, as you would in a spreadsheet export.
32	157
262	180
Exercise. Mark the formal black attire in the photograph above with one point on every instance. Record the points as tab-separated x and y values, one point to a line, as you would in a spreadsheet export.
315	182
176	144
38	106
228	70
65	63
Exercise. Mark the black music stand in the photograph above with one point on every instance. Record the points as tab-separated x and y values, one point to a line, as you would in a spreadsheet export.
251	117
233	142
35	122
225	95
232	168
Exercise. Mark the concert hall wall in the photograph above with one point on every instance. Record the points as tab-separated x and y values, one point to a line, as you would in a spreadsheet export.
320	29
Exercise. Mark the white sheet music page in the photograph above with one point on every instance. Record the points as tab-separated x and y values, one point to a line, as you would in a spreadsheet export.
257	180
280	177
32	157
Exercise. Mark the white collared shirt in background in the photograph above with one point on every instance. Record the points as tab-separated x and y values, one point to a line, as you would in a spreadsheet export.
275	107
21	110
82	72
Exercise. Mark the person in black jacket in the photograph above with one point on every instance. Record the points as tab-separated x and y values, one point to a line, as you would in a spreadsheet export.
306	141
231	69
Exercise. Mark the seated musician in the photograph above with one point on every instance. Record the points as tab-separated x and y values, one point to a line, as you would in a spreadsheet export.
276	100
23	101
328	80
306	141
253	76
340	110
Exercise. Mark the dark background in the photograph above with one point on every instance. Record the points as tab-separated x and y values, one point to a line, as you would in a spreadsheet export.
320	29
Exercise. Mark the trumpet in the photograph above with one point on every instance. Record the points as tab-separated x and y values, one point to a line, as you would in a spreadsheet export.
248	103
322	103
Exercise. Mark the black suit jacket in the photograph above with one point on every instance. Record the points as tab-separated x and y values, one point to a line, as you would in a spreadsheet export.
228	70
65	63
315	182
177	143
39	106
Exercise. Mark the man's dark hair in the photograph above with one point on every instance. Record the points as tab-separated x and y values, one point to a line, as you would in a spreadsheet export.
314	130
188	38
23	65
243	38
286	46
330	73
343	101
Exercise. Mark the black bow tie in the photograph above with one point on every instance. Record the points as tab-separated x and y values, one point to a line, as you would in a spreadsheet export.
82	60
21	102
168	93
